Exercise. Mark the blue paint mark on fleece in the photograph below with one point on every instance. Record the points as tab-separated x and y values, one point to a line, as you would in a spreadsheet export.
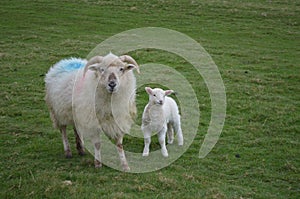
68	65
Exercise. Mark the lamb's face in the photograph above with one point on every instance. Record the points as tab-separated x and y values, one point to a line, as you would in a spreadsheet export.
157	95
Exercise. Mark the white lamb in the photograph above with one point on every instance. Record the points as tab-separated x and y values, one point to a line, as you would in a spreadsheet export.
94	97
161	115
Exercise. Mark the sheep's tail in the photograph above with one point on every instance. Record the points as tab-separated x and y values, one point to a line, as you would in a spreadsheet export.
51	111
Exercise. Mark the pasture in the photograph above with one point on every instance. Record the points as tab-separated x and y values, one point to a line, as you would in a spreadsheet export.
256	48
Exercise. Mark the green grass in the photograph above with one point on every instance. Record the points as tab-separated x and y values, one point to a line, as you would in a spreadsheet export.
256	47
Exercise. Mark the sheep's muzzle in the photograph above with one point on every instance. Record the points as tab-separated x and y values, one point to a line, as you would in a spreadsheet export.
112	82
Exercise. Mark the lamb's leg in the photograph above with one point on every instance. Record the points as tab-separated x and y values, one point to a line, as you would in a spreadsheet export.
162	141
122	154
97	145
147	141
177	128
63	130
170	133
79	143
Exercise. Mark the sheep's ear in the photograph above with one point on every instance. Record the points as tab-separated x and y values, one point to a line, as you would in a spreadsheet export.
148	90
94	67
168	92
97	68
131	66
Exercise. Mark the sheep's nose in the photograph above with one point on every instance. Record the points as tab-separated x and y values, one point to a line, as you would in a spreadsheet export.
112	85
160	102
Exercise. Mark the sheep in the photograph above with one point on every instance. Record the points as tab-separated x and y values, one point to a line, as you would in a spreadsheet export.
161	115
76	89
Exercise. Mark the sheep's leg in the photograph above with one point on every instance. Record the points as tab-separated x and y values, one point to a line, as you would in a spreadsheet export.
63	130
170	133
98	163
162	141
177	128
122	154
147	141
79	143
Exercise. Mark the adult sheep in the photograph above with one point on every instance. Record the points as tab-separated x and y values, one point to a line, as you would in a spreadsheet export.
95	96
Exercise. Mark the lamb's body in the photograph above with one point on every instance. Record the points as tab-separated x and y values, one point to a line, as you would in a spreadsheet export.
161	115
101	99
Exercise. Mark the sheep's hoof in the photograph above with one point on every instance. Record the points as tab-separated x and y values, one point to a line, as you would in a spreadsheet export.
68	154
81	153
126	168
98	164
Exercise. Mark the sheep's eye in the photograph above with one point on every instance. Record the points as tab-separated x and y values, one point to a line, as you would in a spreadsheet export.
121	69
154	95
101	70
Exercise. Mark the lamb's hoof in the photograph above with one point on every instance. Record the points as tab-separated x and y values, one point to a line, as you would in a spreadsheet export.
145	154
165	154
180	141
98	164
170	141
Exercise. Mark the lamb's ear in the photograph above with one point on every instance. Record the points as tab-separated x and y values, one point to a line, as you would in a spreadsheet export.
148	90
168	92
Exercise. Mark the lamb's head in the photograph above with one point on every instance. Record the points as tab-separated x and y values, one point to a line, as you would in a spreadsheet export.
157	95
111	69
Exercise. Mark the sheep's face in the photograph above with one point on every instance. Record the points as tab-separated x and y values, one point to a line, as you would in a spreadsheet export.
111	69
157	95
111	76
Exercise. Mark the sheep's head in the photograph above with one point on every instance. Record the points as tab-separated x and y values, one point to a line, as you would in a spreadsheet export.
157	95
111	69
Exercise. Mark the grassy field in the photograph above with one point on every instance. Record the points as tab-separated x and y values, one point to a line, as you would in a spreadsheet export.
256	47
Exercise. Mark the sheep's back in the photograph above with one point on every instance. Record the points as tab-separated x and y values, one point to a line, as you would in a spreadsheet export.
59	87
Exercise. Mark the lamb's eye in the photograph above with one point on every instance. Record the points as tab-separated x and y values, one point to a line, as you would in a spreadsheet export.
121	69
154	95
